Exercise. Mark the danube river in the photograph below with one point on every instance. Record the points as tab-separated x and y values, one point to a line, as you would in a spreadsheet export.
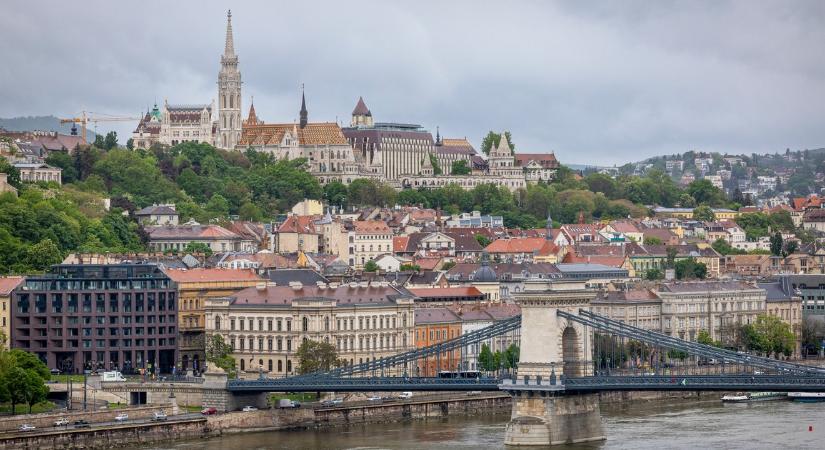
705	425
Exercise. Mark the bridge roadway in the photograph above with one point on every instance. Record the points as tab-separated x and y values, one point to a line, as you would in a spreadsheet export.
730	382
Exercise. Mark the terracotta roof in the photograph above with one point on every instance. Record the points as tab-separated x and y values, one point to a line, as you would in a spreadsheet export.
361	108
190	232
7	284
814	215
399	243
324	133
371	226
298	224
547	160
538	245
471	291
427	263
623	226
195	275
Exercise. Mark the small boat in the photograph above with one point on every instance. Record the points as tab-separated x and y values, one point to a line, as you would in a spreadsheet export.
807	397
740	397
735	398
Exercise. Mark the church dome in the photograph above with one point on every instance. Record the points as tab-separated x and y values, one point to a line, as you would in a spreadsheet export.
485	273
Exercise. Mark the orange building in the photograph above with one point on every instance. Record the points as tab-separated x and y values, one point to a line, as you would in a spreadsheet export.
194	286
434	325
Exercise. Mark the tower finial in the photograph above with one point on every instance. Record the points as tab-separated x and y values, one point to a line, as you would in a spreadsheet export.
437	135
229	48
304	113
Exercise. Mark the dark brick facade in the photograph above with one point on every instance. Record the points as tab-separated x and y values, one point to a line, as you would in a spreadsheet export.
88	316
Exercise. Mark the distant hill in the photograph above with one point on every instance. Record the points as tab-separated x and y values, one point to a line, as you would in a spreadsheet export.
41	123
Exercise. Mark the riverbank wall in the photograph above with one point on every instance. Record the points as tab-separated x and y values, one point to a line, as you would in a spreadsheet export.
109	437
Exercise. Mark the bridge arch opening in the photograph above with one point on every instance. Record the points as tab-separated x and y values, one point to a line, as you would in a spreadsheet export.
571	352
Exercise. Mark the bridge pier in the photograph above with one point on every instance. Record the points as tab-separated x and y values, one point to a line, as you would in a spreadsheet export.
551	350
554	419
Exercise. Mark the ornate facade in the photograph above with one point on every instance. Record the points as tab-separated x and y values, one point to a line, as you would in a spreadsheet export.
229	94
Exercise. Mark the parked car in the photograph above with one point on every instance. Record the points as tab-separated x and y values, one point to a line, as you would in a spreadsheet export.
249	408
159	416
82	423
62	422
122	417
55	371
327	403
405	395
26	427
209	411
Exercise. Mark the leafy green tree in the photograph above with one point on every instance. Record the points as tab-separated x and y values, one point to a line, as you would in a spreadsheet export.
460	168
315	356
409	268
198	248
65	162
412	197
100	141
704	192
654	274
670	262
724	248
436	166
483	240
776	244
219	353
371	266
448	265
510	357
130	144
689	268
492	139
13	173
335	193
110	141
652	240
250	211
486	361
704	213
42	255
772	336
217	207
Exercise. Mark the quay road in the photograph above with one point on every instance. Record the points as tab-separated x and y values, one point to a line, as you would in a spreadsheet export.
100	425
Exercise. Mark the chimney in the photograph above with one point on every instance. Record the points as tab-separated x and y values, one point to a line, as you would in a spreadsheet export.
260	287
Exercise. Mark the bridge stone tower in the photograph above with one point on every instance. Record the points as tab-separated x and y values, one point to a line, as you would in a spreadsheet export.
552	348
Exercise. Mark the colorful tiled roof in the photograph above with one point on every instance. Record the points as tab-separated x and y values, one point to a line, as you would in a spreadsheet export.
322	133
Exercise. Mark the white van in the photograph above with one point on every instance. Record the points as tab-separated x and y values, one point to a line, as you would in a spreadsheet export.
113	376
405	395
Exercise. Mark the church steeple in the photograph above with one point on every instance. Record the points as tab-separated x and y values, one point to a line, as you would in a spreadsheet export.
229	47
304	113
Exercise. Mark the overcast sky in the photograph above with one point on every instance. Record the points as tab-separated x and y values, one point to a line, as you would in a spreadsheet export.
596	82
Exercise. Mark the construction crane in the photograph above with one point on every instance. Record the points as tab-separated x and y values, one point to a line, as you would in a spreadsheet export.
85	118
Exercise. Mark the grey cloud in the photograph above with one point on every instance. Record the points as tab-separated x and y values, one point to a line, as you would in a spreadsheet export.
596	82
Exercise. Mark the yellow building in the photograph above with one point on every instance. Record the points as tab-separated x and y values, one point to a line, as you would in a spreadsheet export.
194	287
7	285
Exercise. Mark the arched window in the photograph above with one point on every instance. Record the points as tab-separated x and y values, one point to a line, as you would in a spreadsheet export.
217	322
231	101
243	363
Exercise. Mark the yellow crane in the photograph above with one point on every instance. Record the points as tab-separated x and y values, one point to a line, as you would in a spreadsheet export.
85	118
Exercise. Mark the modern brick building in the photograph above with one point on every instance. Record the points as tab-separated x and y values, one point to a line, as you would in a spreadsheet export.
90	316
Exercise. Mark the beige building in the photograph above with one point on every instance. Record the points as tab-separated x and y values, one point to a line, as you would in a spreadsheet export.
34	172
5	186
639	308
266	324
7	285
372	238
297	233
194	287
718	307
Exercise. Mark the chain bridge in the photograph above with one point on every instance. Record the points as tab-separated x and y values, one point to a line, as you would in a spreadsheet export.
553	359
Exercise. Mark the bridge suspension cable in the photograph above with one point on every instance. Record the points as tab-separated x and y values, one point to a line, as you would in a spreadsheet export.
663	340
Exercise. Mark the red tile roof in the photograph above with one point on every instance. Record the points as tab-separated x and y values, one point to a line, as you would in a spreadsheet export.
399	243
538	245
7	284
298	224
371	227
471	291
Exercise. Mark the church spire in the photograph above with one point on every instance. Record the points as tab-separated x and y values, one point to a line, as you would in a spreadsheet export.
229	48
304	112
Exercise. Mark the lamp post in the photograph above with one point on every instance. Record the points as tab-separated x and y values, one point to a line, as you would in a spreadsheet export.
85	375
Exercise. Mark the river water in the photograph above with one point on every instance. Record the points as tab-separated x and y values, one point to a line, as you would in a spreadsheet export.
692	424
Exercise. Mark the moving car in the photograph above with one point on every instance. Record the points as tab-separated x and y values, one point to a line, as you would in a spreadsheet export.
209	411
62	422
249	408
405	395
122	417
26	427
113	376
374	398
159	416
82	423
287	403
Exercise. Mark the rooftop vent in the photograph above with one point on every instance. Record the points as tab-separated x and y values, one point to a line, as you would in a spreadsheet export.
260	286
